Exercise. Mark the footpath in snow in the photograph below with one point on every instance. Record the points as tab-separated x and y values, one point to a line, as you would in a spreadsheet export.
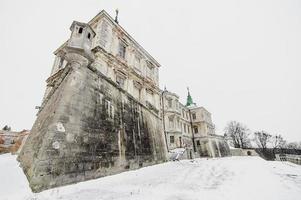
231	178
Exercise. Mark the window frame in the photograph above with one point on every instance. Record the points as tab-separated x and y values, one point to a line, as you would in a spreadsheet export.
195	129
172	139
122	51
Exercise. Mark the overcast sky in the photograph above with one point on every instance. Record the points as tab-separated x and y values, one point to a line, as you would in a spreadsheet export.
241	59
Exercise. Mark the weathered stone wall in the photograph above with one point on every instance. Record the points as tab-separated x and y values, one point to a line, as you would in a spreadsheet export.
88	128
223	148
213	147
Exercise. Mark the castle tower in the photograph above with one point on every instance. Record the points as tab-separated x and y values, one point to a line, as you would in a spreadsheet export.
87	125
81	38
47	153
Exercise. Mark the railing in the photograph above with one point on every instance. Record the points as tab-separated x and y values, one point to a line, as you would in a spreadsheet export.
289	157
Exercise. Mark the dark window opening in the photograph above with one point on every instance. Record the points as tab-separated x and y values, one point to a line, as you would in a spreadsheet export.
172	139
89	35
193	116
121	50
61	62
80	30
180	139
198	143
196	130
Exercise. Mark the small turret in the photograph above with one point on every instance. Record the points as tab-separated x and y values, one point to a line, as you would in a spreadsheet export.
81	37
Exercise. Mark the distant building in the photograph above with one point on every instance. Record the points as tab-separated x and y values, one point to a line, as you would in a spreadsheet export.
11	141
190	126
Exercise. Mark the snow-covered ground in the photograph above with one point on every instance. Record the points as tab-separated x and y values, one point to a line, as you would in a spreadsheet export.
243	178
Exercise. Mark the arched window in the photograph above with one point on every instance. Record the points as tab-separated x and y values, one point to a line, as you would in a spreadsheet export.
80	30
89	35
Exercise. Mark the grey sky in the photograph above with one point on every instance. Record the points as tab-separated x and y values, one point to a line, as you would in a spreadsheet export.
241	59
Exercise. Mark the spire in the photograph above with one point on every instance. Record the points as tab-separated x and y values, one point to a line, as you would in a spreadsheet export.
116	17
189	98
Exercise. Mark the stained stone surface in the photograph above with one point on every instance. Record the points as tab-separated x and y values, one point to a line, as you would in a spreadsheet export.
88	127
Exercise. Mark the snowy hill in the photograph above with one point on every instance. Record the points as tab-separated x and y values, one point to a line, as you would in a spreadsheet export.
229	178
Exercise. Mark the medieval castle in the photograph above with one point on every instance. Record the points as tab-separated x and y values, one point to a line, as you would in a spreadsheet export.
103	112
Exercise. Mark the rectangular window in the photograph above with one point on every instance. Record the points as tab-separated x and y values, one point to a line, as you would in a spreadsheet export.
150	71
61	61
109	109
111	112
193	116
169	103
198	143
196	130
137	62
150	97
122	49
184	128
136	92
107	104
171	123
120	81
137	89
172	139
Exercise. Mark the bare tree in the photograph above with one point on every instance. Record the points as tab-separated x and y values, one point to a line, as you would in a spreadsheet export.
292	145
277	141
262	139
299	145
239	134
6	128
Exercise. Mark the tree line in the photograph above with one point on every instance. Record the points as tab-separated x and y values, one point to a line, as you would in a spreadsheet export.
241	137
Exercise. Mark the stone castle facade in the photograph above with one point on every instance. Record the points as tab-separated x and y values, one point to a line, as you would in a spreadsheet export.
102	112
